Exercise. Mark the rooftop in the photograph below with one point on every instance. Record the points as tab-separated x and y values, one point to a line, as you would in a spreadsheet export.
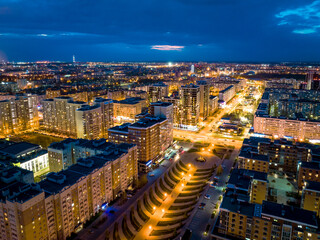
226	89
18	149
147	122
313	186
238	204
289	213
246	153
310	165
254	141
241	178
122	128
162	104
132	100
88	108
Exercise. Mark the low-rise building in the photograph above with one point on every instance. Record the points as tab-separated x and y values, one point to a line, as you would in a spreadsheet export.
25	155
250	183
308	171
253	161
310	199
239	219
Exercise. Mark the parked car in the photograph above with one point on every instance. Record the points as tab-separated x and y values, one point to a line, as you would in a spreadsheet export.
207	196
202	205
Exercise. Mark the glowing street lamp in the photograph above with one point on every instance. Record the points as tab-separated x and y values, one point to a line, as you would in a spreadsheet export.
150	227
163	210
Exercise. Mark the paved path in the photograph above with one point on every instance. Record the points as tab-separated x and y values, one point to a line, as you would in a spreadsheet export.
162	209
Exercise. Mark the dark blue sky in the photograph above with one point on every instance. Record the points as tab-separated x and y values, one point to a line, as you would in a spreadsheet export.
166	30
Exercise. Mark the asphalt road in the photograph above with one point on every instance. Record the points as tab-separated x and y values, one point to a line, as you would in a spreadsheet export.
202	217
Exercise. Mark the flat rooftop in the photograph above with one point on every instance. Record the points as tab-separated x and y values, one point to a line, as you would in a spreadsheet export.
147	122
290	213
20	148
238	204
246	153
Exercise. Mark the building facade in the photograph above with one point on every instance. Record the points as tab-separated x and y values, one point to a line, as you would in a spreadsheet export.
190	106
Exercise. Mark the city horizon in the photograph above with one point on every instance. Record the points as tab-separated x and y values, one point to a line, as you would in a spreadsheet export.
173	62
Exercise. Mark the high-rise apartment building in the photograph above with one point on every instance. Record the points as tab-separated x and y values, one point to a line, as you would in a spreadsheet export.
176	109
164	110
126	110
89	122
150	136
227	94
106	106
53	93
59	115
157	92
213	104
204	98
64	116
190	105
289	113
18	114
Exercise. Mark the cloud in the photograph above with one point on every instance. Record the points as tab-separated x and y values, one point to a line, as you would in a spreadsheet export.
167	47
304	20
304	31
47	35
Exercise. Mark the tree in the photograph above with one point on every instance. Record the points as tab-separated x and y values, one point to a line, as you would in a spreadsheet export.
219	170
124	196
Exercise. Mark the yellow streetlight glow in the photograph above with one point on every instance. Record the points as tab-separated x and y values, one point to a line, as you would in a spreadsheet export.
165	194
189	175
189	165
163	210
182	184
154	208
182	173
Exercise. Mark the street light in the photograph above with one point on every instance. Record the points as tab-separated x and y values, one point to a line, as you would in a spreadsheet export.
150	227
163	210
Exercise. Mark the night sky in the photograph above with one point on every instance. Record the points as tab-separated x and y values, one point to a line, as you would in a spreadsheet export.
160	30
